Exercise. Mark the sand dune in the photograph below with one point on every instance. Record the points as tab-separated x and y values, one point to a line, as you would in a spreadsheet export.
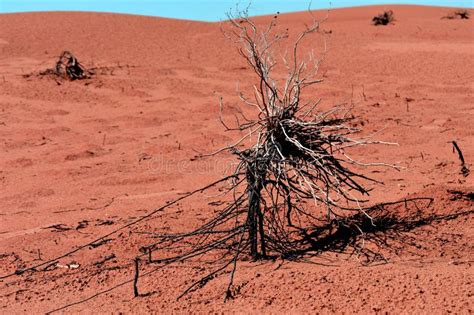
81	158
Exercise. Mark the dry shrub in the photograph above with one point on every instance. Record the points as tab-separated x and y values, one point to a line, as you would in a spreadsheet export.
384	18
297	173
459	14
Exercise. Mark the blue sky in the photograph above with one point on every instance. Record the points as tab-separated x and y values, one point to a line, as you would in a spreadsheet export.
205	10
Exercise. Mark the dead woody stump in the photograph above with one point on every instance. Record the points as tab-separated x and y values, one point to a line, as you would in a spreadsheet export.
69	67
384	18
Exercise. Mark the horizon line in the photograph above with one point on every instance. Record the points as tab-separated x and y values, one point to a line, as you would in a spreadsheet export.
167	8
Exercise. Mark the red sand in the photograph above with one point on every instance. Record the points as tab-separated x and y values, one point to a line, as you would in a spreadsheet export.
106	151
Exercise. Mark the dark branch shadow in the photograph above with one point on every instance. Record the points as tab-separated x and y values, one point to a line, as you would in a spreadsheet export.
383	227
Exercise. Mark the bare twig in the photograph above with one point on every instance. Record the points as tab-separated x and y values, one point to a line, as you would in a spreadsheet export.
135	279
464	169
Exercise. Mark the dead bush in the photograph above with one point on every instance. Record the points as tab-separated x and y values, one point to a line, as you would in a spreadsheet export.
459	14
296	173
384	18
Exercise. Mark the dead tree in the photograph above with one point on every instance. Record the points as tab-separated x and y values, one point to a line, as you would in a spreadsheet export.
297	172
384	18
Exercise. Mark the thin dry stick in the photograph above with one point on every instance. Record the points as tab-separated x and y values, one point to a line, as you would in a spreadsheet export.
135	279
102	292
464	169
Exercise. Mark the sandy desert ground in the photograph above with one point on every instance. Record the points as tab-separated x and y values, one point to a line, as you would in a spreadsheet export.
82	158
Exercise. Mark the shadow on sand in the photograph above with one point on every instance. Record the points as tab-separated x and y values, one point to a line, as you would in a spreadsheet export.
383	227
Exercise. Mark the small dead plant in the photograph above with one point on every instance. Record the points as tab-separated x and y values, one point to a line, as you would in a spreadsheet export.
69	67
459	14
384	18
